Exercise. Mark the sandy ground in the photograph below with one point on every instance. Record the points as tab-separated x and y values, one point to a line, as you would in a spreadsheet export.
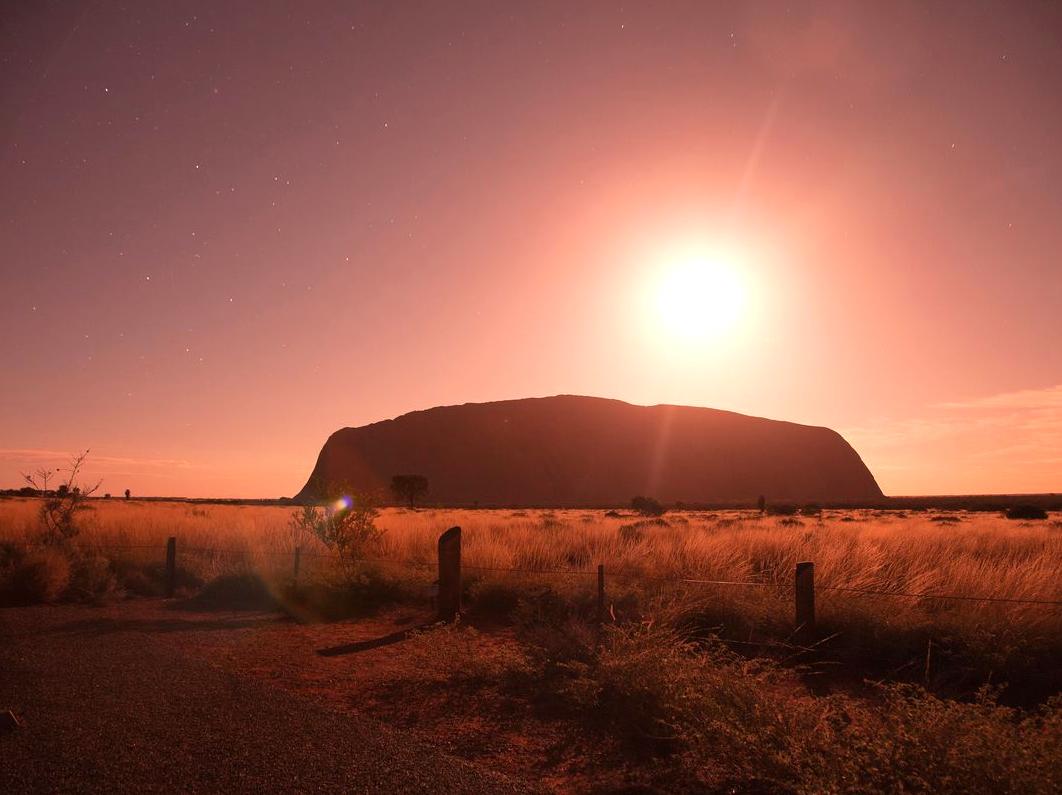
142	696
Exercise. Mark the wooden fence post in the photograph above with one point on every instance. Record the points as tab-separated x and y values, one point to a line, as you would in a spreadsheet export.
295	569
805	598
601	593
450	574
171	566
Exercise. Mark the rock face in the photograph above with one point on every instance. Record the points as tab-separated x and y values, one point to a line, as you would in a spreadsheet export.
572	451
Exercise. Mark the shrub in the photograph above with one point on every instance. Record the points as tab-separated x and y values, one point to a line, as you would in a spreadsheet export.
149	579
92	579
347	524
236	592
699	707
635	531
781	509
355	592
494	598
556	634
10	555
40	576
462	655
647	506
1026	512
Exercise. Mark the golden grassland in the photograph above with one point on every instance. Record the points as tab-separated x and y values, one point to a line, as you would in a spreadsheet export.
958	554
687	686
969	554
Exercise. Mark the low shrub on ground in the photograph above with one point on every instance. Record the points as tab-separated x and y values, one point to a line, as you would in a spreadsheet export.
346	523
462	655
781	509
246	591
493	598
1026	512
92	579
685	716
635	531
148	578
61	573
34	576
353	592
647	506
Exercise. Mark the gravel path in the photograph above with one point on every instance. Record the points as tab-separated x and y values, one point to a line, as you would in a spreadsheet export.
111	707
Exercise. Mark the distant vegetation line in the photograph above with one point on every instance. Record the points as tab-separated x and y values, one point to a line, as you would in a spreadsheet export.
970	502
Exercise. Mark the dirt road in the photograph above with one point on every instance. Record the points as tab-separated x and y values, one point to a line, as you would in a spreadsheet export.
116	706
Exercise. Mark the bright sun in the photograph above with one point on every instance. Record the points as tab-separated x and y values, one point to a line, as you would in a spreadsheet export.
698	299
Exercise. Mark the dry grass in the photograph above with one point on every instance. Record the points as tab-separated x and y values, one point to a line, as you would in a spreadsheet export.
661	703
970	555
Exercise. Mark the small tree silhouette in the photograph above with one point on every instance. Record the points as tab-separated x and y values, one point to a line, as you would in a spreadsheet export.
39	480
127	495
761	504
408	487
58	514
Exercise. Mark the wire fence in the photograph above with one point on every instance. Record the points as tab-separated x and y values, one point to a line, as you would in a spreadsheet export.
618	573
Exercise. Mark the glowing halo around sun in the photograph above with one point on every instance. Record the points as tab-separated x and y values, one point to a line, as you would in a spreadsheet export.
697	300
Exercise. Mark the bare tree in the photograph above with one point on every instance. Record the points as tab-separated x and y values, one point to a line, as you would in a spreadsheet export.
39	479
58	514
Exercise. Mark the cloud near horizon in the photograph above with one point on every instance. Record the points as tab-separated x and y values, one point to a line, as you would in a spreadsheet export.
27	459
1006	442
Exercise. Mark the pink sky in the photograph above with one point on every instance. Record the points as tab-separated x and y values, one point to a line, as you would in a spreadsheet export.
228	230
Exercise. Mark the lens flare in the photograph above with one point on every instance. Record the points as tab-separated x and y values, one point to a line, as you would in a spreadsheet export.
344	503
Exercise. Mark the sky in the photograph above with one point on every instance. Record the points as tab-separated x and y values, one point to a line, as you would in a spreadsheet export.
229	229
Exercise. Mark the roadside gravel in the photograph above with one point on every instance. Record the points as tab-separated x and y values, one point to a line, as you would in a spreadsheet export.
109	707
